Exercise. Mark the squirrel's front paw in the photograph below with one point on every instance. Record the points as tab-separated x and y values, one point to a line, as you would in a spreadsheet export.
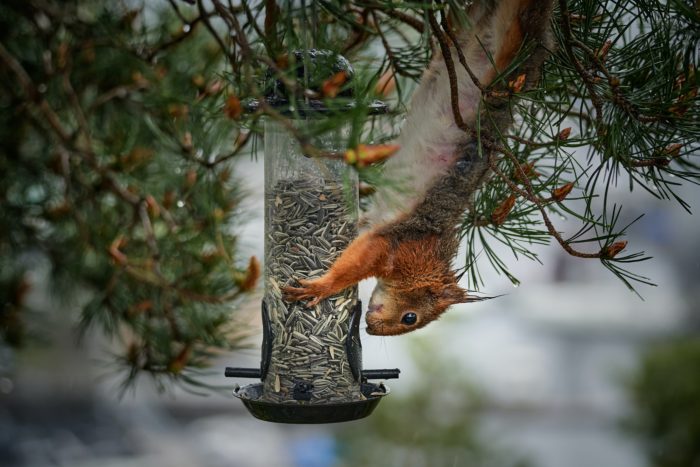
314	290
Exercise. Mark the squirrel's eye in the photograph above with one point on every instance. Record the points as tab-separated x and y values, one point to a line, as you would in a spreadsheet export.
409	318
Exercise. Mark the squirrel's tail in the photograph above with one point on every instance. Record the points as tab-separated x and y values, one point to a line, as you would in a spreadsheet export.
499	30
443	160
491	34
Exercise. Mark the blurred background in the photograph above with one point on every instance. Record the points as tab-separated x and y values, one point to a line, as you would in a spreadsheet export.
570	369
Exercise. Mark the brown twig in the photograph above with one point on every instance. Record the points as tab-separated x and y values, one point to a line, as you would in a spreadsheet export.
116	92
618	96
50	116
177	11
254	23
585	75
77	107
176	39
451	73
148	230
460	53
528	142
390	54
33	94
669	153
649	163
415	23
210	164
272	15
528	194
359	34
205	19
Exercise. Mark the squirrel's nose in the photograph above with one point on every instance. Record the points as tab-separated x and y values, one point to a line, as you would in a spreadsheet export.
374	308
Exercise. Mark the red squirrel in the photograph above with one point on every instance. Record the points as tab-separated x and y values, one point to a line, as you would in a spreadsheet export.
413	233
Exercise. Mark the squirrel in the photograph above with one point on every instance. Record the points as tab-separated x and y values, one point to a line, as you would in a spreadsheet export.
413	232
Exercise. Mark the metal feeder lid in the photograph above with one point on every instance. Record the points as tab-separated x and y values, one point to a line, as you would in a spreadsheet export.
304	413
313	67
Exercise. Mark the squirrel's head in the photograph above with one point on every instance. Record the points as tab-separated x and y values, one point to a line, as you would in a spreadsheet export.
397	309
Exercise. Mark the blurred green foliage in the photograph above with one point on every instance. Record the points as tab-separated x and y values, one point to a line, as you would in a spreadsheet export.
115	177
436	424
665	392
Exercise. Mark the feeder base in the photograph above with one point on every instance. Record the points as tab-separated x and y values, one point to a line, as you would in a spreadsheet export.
310	413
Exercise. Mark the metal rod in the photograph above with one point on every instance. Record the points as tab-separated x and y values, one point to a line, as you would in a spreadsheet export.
387	373
236	372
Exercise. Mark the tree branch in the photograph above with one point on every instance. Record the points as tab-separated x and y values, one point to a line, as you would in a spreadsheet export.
585	76
415	23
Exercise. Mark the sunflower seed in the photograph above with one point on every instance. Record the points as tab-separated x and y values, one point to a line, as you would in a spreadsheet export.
307	226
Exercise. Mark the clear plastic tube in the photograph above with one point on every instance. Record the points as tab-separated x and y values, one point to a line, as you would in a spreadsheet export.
311	211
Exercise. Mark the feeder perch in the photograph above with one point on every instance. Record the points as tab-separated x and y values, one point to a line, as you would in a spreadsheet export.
311	365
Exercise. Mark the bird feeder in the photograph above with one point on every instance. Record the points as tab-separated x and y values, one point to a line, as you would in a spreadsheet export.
311	367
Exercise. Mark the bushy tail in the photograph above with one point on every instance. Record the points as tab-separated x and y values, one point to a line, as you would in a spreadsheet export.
495	34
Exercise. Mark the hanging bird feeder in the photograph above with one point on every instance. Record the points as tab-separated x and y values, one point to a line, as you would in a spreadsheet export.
311	366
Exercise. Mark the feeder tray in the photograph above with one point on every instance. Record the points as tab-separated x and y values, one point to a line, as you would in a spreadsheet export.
299	410
310	413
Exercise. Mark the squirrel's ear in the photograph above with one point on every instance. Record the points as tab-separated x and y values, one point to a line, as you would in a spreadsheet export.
454	294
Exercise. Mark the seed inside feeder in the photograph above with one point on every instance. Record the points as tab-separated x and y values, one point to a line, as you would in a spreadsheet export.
308	226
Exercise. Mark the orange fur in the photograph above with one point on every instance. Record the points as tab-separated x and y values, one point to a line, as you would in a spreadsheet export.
365	257
420	281
513	40
415	272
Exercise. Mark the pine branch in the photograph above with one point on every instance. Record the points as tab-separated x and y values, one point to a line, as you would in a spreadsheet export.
391	12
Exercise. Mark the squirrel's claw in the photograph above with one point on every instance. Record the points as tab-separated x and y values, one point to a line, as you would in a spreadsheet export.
308	290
